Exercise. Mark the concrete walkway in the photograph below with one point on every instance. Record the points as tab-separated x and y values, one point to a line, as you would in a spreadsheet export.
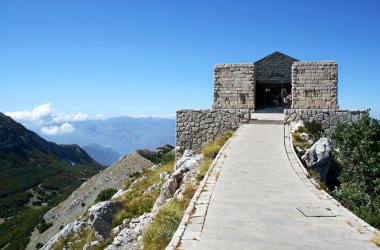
257	200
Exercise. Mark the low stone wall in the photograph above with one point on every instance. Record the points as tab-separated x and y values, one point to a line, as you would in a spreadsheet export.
196	127
329	118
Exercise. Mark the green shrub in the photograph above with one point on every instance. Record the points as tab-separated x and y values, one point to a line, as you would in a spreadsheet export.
359	155
314	129
167	158
43	226
39	245
105	194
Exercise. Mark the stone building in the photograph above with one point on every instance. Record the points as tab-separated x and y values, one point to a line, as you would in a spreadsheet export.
302	90
266	82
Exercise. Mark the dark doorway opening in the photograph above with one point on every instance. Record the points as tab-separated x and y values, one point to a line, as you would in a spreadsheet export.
271	95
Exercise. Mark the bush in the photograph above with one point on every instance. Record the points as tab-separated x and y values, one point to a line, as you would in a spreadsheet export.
105	194
43	226
167	158
359	153
39	245
314	129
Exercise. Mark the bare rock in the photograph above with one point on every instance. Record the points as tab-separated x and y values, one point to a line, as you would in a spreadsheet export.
128	238
295	126
304	136
187	162
318	157
101	215
73	227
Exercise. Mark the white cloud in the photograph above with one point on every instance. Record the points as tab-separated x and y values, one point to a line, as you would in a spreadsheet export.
45	114
37	115
78	117
58	130
169	116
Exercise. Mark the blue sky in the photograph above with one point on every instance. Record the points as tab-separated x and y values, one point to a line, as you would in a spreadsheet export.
153	57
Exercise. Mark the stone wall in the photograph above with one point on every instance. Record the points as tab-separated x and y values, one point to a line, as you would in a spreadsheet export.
328	118
196	127
315	85
234	86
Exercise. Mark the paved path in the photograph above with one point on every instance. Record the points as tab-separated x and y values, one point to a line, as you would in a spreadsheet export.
255	200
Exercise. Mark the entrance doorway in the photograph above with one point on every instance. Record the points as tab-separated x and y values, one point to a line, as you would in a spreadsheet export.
270	95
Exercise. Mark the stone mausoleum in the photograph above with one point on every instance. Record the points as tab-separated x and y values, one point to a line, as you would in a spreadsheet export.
265	83
306	90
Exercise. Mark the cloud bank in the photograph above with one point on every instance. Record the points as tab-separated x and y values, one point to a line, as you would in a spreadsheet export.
58	130
44	114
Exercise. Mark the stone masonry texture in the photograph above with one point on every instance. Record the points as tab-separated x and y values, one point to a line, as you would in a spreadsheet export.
275	68
315	85
234	86
194	128
328	118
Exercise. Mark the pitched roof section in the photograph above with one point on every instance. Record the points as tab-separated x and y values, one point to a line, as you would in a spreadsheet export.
274	68
276	56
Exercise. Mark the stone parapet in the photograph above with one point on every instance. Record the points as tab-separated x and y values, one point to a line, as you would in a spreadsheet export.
194	128
328	118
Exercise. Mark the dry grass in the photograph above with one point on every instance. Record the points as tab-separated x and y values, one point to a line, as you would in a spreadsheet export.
76	240
211	149
376	240
136	202
360	229
160	231
202	169
349	222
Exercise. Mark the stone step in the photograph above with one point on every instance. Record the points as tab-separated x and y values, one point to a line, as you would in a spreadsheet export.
256	121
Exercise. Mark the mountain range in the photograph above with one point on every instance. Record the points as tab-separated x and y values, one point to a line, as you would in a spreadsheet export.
123	134
35	175
104	155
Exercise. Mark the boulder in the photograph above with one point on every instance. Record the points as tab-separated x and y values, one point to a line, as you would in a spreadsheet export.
295	126
318	157
304	136
100	218
187	162
127	239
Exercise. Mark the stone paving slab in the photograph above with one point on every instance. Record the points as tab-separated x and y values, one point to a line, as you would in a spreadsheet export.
255	199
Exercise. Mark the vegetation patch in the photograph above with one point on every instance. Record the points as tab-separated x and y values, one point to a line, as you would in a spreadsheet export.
75	240
137	201
202	169
165	223
105	194
359	154
211	149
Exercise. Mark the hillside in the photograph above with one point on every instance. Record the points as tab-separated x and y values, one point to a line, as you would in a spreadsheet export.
123	134
115	176
35	176
104	155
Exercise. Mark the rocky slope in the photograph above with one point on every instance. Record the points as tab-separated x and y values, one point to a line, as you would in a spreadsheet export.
99	229
78	202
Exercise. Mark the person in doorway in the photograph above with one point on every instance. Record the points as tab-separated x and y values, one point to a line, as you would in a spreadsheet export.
283	96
